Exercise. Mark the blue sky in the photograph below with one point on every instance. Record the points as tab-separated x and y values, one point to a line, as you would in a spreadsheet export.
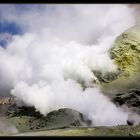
9	26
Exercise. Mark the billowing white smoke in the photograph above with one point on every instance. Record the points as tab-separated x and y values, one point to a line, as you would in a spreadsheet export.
48	65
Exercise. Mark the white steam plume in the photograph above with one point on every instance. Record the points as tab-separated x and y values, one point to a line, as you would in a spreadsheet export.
61	48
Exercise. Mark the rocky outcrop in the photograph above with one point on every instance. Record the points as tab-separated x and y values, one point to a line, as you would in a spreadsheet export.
126	51
131	98
106	77
6	101
28	119
125	88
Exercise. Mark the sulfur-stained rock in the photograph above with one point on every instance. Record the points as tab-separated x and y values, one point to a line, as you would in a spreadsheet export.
126	51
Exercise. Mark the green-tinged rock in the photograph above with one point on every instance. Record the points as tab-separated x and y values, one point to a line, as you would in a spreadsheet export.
27	119
126	51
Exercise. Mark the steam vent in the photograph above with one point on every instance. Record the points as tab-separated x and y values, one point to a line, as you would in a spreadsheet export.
69	70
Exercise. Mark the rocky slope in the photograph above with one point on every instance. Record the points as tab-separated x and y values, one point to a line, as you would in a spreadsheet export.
26	119
125	52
